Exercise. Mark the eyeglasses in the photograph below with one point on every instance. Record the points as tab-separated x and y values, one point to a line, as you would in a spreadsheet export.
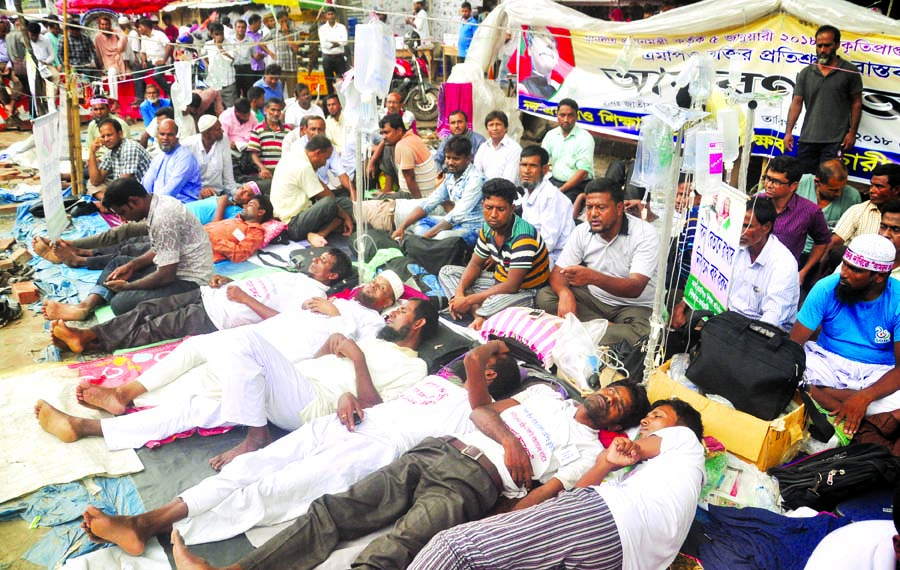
776	181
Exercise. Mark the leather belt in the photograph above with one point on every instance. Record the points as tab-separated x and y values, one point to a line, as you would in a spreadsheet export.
478	456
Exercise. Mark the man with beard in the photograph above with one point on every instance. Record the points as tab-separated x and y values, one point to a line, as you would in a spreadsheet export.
543	206
509	245
123	157
251	383
326	455
175	172
212	152
446	481
831	89
852	366
607	269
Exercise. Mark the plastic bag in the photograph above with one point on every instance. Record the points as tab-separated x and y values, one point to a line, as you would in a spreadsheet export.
575	353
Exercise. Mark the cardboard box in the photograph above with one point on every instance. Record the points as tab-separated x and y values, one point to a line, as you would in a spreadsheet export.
765	444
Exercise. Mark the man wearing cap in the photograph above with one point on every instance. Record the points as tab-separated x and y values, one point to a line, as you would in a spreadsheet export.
175	172
852	366
333	36
252	376
99	112
212	152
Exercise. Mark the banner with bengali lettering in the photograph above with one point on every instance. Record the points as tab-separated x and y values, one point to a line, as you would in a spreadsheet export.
716	242
766	54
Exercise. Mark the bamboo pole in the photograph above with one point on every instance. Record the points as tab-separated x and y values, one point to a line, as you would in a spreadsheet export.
74	115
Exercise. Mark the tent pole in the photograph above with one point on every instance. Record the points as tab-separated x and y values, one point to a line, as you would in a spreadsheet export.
73	116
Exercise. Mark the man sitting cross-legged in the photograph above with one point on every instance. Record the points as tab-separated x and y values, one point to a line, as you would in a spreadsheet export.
443	482
638	521
208	309
515	249
179	260
852	365
256	384
277	483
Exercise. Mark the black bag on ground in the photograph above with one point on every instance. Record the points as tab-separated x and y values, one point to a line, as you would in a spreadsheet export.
823	480
753	364
432	254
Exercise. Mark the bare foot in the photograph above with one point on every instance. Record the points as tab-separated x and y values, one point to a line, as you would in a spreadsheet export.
68	255
316	240
184	558
121	531
100	398
477	324
55	422
257	438
87	519
71	337
53	310
43	247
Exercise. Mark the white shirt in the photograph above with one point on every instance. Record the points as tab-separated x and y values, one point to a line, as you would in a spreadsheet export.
293	112
548	210
155	46
501	161
334	130
221	66
216	165
865	545
634	252
767	289
560	447
43	50
393	370
423	27
333	38
427	407
281	291
654	504
134	43
243	50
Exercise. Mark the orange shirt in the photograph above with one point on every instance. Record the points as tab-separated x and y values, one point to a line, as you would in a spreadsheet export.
234	239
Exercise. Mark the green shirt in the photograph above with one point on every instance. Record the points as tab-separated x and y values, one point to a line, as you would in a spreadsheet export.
570	154
833	212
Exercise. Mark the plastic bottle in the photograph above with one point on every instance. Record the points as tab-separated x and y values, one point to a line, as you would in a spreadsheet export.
657	153
678	365
729	123
763	499
689	161
709	161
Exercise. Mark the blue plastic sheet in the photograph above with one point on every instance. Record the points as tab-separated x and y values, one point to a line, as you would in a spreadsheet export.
61	506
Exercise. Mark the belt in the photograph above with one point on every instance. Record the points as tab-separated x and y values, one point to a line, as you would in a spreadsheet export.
479	457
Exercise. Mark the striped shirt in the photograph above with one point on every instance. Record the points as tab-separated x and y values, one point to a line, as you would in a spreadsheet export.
522	249
267	142
858	220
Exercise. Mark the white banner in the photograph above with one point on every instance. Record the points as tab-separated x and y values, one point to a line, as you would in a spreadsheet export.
46	144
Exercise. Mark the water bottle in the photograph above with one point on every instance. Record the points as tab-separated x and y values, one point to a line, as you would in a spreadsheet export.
763	499
678	365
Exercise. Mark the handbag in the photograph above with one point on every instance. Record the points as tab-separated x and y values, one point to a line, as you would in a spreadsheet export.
753	364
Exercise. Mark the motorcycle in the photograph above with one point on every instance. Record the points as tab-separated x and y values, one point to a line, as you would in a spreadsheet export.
410	79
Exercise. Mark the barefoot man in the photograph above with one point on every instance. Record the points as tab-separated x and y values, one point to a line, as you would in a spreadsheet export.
180	258
325	456
257	384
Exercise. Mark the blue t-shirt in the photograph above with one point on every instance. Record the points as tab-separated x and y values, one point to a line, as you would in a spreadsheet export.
466	33
270	93
864	332
205	209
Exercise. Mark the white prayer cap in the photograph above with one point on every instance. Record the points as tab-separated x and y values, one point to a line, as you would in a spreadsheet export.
871	251
124	20
205	123
395	281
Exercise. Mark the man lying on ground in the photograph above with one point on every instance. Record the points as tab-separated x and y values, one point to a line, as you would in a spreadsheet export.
326	455
448	481
256	384
295	334
208	309
639	521
180	258
78	252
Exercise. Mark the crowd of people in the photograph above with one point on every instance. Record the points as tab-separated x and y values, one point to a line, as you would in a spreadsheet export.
374	440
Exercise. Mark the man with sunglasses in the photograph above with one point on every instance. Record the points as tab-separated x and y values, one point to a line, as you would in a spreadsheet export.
798	218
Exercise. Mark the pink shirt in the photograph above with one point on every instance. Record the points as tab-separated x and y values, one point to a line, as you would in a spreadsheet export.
234	129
